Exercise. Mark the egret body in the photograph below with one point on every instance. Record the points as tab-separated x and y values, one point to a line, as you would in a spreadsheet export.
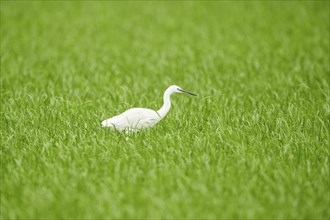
135	119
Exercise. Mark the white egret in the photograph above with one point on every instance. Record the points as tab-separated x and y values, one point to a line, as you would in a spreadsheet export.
135	119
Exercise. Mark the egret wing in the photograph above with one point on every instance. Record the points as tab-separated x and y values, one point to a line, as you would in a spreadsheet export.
135	118
141	118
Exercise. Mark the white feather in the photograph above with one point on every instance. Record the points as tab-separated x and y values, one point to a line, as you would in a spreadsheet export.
135	118
139	118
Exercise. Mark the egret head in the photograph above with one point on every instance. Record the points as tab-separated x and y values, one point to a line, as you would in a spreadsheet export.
178	89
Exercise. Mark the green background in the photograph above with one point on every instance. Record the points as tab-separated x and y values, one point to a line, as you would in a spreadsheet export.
254	143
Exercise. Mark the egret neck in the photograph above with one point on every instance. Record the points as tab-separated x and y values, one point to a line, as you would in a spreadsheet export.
167	103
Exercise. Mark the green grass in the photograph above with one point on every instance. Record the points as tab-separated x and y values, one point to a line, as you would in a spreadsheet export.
253	144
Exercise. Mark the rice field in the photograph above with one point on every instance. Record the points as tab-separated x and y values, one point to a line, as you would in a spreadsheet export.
253	144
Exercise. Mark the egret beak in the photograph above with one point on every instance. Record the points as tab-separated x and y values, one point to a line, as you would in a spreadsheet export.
190	93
